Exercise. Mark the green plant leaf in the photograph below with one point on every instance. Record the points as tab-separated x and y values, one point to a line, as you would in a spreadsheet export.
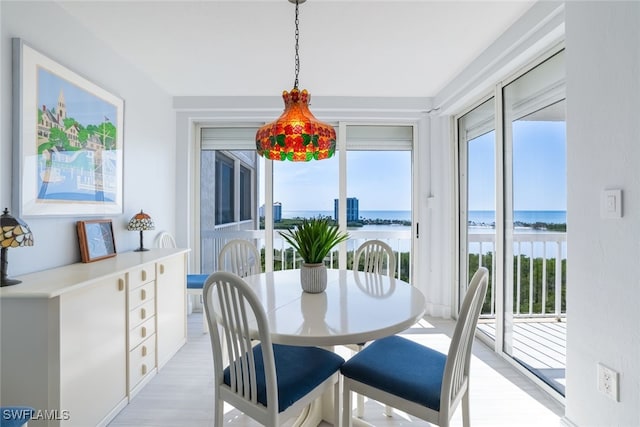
314	239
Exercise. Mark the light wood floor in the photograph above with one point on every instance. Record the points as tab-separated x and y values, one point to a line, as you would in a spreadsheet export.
540	345
182	392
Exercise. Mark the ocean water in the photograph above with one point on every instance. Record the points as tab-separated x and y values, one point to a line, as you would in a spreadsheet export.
528	217
481	222
390	215
476	217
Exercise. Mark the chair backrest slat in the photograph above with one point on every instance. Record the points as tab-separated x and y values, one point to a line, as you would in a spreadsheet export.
374	253
235	308
456	372
239	257
165	240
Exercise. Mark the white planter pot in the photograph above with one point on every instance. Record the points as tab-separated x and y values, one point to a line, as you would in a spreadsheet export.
313	278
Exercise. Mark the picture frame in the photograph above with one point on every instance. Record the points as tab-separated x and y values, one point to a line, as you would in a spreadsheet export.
96	239
68	140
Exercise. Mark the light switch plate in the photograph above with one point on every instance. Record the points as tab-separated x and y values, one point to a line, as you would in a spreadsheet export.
611	204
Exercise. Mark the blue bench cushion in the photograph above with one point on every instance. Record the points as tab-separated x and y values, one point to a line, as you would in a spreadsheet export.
196	281
400	367
15	416
298	369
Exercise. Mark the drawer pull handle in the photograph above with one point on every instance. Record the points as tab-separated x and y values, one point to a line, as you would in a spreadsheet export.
144	369
143	294
161	268
120	284
143	313
144	350
143	331
144	275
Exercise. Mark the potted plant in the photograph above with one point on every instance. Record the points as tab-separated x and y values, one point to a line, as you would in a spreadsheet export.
313	240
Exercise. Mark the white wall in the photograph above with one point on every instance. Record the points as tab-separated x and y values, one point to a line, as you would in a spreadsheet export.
149	132
603	151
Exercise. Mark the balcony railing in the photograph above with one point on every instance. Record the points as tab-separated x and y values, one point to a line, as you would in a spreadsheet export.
285	257
539	282
539	260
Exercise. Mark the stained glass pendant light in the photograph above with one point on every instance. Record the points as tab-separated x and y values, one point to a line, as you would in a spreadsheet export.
296	135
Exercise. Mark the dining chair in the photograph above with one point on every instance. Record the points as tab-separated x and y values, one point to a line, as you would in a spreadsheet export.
165	240
240	257
268	382
376	257
417	379
195	282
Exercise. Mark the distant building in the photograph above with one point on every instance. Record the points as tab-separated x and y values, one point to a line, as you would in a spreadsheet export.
353	211
277	211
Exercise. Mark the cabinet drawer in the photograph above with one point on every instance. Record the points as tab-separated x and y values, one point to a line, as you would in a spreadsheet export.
141	275
141	294
142	361
141	313
142	332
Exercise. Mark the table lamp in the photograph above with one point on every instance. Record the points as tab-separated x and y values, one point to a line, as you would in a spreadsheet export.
15	233
141	222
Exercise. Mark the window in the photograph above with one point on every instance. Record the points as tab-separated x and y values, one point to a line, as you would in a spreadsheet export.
245	194
228	189
224	189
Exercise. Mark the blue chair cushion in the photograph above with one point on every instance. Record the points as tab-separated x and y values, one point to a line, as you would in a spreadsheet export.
196	281
400	367
15	416
298	369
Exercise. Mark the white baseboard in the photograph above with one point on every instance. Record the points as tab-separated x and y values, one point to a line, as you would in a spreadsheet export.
438	310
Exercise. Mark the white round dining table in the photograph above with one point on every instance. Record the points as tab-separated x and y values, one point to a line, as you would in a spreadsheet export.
355	308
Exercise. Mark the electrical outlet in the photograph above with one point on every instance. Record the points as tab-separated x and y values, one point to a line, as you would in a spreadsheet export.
608	382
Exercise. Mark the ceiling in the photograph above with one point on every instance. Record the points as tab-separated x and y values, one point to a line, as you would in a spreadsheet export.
386	48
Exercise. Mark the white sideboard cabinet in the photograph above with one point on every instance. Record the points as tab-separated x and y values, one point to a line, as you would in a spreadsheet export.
78	342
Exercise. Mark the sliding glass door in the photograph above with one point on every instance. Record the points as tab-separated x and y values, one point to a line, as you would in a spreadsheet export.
512	187
477	160
244	196
535	221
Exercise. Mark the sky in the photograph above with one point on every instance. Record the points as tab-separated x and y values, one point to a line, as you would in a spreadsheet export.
381	180
83	106
539	166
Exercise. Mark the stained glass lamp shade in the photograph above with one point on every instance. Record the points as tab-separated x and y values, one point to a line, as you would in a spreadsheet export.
296	135
15	233
141	222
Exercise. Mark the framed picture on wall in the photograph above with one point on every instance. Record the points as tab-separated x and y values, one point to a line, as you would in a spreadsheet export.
68	140
96	239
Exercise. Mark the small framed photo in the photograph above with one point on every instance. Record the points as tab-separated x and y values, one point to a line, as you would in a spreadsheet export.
96	239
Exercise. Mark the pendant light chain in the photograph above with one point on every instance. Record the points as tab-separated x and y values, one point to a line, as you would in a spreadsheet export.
295	84
296	135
